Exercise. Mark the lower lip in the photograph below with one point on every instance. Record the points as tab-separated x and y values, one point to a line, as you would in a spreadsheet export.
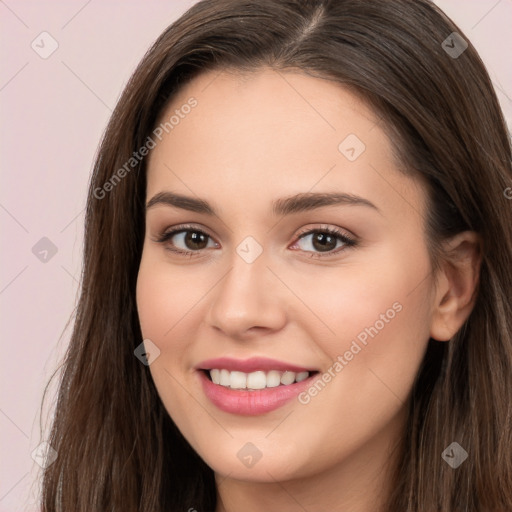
251	403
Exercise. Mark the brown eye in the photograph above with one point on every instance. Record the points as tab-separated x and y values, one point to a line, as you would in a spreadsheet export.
195	240
325	240
186	241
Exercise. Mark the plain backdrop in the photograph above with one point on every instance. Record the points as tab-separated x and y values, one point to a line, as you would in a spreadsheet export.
53	113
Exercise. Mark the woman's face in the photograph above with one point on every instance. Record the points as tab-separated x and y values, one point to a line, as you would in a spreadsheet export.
261	277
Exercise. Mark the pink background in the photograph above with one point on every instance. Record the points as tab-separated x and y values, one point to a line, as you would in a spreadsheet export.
54	111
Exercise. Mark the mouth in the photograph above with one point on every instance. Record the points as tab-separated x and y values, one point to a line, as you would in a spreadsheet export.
252	387
255	380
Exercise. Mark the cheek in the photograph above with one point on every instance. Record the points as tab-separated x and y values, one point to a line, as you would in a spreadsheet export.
380	319
381	302
374	326
165	295
383	318
165	304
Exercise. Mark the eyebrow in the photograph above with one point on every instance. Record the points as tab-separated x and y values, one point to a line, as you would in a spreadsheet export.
284	206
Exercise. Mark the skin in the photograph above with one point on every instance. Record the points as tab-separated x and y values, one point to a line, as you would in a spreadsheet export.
250	140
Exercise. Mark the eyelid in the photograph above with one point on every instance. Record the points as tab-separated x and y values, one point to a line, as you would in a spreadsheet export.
173	230
327	228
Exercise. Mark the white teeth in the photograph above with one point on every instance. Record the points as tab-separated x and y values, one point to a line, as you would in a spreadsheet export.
301	376
238	380
255	380
288	378
215	375
273	379
224	378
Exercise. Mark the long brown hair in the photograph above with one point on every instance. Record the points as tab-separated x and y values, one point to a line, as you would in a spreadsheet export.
118	449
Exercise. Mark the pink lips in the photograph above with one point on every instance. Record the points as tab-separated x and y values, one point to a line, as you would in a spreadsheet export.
250	365
250	403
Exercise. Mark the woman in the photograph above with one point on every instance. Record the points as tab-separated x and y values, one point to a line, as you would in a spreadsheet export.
297	272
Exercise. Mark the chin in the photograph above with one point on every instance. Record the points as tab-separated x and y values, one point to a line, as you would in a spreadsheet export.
244	461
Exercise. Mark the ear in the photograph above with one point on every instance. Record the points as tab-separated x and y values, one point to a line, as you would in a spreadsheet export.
456	285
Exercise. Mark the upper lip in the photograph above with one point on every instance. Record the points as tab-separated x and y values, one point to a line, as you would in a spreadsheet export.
250	365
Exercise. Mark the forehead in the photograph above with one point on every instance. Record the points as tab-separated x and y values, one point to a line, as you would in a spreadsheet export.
282	132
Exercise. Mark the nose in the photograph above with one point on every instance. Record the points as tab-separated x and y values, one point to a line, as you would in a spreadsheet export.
248	301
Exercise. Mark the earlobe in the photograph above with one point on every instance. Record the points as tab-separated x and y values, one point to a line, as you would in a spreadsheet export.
456	285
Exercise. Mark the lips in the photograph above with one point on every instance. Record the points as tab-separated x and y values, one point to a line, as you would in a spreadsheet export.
252	365
248	393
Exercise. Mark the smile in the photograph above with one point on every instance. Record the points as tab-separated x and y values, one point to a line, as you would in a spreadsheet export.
255	380
252	387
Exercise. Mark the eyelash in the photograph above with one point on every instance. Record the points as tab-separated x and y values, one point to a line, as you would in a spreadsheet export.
348	241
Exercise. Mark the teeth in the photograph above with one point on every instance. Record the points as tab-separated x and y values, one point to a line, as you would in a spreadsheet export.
215	375
273	379
224	378
301	376
255	380
238	380
288	378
